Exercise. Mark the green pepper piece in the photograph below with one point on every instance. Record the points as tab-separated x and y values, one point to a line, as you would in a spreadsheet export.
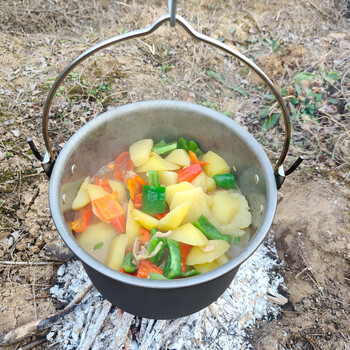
225	181
209	230
153	178
182	143
175	259
153	199
167	265
153	232
156	276
128	265
153	242
190	273
237	240
192	146
162	147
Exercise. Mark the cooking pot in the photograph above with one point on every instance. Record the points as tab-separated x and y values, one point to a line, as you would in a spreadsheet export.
85	153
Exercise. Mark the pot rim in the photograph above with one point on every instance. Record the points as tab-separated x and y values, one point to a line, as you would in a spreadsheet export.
86	258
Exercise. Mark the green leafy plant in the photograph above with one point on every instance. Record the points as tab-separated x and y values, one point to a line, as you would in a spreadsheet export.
305	96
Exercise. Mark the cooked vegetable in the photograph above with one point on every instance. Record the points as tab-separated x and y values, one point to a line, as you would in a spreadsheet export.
179	157
127	265
153	243
146	267
224	207
132	226
175	259
116	252
156	276
189	234
198	203
140	151
173	189
179	215
206	267
190	173
153	199
82	198
119	223
81	224
174	218
195	160
198	256
107	207
167	178
95	191
217	165
209	230
146	221
118	186
162	147
156	163
123	164
184	249
225	181
135	185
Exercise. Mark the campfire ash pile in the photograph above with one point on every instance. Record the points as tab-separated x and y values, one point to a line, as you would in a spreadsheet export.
96	324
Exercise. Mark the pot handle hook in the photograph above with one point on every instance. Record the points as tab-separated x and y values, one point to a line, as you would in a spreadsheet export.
49	158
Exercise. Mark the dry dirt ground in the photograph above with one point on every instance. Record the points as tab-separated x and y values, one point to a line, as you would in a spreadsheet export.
39	38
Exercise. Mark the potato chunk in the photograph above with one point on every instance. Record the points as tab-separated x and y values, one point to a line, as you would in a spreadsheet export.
97	234
132	226
174	218
119	187
198	203
146	221
116	252
167	178
140	151
201	181
206	267
217	165
189	234
225	206
82	198
198	256
243	217
171	190
156	163
179	157
95	191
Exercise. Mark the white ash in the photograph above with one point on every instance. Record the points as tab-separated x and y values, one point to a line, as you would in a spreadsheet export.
96	324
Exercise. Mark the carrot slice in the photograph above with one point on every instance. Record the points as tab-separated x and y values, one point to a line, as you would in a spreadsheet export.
105	185
185	249
123	163
107	207
146	267
81	224
195	160
161	216
119	223
145	235
135	184
189	173
138	201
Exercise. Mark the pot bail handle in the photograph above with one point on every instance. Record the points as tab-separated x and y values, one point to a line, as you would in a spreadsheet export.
49	159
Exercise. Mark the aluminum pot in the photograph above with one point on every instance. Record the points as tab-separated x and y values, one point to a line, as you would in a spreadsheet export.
85	153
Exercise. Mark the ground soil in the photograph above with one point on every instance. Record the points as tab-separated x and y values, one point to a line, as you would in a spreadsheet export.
312	224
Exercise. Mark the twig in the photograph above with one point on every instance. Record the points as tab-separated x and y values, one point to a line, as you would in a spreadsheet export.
33	344
30	263
15	335
319	10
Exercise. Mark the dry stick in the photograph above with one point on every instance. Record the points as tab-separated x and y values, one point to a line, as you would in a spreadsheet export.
33	344
17	334
29	263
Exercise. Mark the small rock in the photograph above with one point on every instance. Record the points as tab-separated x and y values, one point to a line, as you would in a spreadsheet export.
34	249
16	132
21	246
